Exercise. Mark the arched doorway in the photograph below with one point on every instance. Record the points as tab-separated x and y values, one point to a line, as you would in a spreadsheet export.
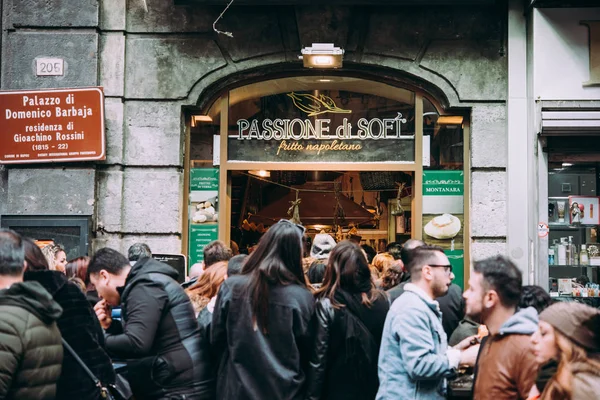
368	160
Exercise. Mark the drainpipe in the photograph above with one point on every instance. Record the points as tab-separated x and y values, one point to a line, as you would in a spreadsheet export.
520	150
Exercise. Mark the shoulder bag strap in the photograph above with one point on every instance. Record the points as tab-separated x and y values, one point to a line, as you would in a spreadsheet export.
82	364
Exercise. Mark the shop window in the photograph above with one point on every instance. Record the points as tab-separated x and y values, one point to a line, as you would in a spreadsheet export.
342	154
444	185
71	232
573	220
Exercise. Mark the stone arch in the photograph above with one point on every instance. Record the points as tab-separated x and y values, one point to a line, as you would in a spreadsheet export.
208	88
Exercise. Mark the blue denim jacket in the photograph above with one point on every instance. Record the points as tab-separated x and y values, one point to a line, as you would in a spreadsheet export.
412	359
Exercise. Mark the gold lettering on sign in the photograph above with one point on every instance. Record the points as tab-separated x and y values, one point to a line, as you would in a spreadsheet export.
594	38
316	105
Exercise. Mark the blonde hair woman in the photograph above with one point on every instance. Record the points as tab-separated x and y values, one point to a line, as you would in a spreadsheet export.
382	262
56	256
570	334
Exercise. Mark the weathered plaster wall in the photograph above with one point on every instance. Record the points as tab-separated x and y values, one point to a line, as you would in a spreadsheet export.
153	63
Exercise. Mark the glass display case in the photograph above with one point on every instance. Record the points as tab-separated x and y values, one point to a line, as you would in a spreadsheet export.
574	221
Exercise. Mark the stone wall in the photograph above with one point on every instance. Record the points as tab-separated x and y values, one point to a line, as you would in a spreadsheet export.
152	62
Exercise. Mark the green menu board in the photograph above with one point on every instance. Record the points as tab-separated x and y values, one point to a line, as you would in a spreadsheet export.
200	236
203	210
443	216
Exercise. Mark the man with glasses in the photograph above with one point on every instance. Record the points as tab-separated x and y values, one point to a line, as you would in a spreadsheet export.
414	359
506	368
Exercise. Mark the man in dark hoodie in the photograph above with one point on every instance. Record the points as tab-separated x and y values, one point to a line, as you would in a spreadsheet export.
506	367
158	334
29	337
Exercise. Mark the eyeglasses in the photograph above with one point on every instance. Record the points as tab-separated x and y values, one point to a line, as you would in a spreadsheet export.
447	267
287	221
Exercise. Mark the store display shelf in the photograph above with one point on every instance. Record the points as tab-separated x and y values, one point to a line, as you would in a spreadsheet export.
553	295
569	226
574	265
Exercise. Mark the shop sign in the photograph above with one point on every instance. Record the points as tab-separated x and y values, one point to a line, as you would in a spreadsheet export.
443	209
443	183
57	125
204	179
327	133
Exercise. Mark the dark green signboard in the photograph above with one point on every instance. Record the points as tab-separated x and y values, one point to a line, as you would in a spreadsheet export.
457	260
200	236
204	179
443	183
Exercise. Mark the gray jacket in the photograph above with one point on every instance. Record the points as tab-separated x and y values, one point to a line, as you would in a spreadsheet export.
413	363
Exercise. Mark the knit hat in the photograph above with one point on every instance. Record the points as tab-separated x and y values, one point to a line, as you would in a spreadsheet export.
578	322
321	246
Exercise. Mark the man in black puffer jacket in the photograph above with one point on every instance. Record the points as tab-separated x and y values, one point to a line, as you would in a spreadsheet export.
158	335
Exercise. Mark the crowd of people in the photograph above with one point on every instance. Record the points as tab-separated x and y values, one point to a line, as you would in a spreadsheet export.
291	320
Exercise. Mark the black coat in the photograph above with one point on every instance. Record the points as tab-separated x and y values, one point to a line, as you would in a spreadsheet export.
79	326
452	306
158	336
255	365
338	370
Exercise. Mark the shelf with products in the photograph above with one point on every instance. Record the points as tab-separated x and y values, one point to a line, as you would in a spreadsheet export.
562	225
574	266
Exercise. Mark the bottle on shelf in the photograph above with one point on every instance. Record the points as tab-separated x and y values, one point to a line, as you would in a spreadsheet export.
562	251
551	256
584	259
572	252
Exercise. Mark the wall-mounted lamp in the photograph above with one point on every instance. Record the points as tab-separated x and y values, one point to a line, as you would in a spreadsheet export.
262	173
200	118
450	120
322	55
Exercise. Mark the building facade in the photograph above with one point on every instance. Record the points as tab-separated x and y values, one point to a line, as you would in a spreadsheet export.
159	62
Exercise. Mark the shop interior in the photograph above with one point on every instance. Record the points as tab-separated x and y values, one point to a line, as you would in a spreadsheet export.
573	216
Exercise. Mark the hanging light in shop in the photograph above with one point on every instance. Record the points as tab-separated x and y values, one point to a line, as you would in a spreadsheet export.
322	55
261	173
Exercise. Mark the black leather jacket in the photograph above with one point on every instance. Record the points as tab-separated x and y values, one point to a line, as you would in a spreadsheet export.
343	363
255	365
159	336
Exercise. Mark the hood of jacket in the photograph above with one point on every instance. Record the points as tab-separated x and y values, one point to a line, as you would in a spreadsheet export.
523	322
146	266
32	297
52	281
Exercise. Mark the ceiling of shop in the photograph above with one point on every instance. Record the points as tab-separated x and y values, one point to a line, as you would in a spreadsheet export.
315	208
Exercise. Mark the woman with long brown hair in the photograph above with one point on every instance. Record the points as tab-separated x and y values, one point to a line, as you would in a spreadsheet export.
207	286
350	318
260	327
570	334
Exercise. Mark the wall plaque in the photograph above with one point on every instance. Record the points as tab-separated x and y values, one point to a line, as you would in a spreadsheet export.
56	125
